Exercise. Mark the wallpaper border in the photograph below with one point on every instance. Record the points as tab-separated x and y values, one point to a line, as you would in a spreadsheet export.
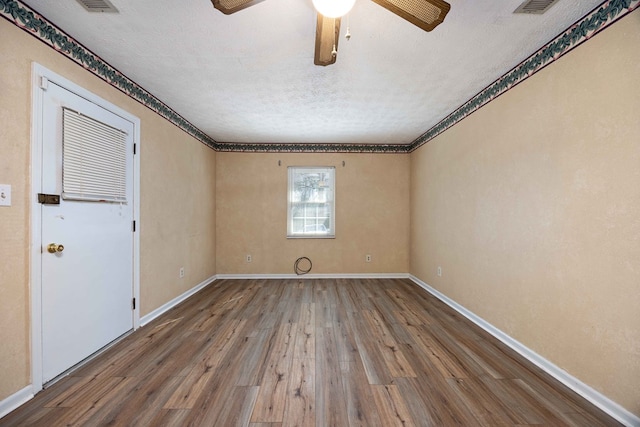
35	24
598	19
313	148
30	21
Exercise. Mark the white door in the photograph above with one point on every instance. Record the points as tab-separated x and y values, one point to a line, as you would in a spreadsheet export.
87	272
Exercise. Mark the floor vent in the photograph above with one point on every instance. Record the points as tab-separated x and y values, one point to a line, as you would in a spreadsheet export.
98	6
537	7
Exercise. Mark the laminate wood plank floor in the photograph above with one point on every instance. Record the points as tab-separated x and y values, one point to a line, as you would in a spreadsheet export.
308	352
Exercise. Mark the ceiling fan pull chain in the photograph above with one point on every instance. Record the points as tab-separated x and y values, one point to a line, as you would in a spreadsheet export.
334	52
348	34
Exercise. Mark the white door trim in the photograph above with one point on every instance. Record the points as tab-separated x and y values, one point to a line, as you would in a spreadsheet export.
40	76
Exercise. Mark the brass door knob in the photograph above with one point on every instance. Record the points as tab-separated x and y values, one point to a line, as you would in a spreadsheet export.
54	248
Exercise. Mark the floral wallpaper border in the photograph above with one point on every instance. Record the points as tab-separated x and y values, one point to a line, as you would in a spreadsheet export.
39	27
601	17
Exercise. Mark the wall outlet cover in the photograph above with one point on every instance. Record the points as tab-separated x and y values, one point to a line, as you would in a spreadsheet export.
5	195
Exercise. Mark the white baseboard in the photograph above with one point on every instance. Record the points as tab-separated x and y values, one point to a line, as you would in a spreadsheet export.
22	396
316	276
15	400
595	397
177	300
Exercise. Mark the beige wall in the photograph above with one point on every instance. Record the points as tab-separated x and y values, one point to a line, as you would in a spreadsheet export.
531	206
177	203
178	212
372	214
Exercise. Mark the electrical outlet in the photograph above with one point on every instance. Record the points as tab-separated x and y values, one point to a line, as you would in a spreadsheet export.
5	195
248	258
439	271
367	258
181	272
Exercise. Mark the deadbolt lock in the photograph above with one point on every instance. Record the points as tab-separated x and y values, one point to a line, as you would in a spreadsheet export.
54	248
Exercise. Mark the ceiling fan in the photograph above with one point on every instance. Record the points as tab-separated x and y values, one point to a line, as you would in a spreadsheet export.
426	14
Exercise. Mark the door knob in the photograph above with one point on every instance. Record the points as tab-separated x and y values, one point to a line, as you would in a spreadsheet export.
54	247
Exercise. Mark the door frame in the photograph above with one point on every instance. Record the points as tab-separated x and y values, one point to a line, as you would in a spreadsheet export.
40	77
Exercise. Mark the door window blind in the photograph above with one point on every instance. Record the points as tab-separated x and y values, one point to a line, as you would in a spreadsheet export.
94	159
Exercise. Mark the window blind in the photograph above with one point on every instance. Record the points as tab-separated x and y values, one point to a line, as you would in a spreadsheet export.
94	159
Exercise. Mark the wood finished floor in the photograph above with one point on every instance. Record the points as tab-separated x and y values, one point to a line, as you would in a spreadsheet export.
309	353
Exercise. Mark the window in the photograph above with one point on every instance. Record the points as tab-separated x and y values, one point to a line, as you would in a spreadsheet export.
311	208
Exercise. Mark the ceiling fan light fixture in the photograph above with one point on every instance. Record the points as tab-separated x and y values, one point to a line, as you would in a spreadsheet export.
333	8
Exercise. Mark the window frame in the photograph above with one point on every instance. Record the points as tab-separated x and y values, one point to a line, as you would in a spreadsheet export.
329	199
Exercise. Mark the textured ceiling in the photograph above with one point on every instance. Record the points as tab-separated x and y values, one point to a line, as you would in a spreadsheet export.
250	78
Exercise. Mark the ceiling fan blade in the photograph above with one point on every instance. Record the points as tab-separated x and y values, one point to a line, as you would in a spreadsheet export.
327	35
426	14
231	6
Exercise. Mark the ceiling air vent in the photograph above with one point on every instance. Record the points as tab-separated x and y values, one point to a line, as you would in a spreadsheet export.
537	7
98	6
